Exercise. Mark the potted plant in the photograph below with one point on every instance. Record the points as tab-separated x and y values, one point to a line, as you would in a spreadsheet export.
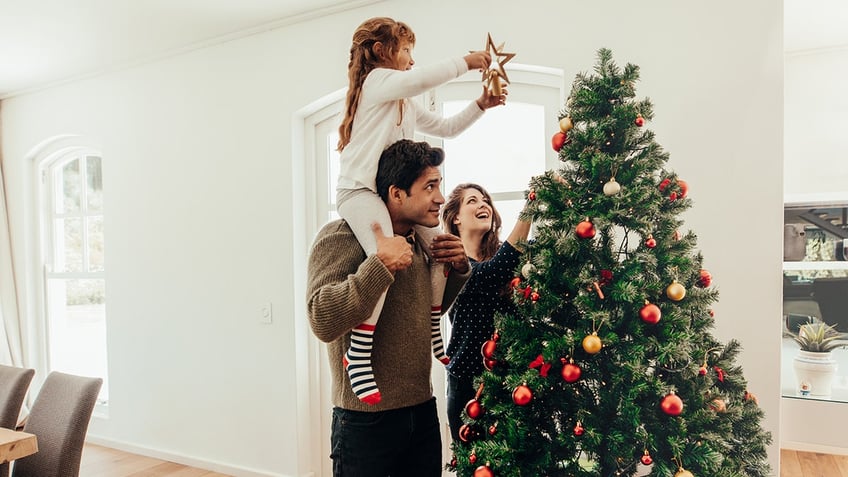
814	365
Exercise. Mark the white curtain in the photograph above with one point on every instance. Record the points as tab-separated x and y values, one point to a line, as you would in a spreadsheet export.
11	349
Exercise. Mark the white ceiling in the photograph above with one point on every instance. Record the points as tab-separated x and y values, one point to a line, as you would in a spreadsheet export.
43	42
47	41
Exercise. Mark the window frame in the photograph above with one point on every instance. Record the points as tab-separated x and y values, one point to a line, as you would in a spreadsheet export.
48	190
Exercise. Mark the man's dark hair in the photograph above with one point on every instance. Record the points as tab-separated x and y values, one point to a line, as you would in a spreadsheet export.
403	162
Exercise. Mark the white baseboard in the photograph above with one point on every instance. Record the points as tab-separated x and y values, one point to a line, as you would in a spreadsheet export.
807	447
183	459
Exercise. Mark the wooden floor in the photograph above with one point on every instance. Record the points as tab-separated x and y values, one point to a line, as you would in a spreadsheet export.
99	461
812	464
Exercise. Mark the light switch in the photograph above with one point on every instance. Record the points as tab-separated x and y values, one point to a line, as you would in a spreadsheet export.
266	315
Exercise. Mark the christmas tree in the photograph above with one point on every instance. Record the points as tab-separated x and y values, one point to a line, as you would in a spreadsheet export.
608	366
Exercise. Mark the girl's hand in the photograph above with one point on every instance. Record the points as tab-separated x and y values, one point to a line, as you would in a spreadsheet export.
479	60
488	100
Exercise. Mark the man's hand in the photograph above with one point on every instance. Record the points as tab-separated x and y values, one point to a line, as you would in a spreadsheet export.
447	248
395	252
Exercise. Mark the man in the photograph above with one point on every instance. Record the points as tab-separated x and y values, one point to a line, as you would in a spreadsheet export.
400	435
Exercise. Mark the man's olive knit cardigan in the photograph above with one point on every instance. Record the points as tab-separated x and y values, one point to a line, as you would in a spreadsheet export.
343	286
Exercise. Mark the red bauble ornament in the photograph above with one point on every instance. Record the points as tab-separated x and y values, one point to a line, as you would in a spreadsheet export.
469	433
640	121
466	433
531	195
672	197
650	314
571	372
484	471
522	395
702	371
489	363
515	282
671	404
646	458
472	458
651	242
585	229
474	409
664	184
558	140
704	279
493	429
488	349
578	430
534	297
684	188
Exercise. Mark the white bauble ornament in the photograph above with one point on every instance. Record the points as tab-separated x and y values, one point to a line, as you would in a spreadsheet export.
612	187
528	269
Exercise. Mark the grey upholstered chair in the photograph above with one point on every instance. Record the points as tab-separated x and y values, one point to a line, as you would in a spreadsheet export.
14	384
59	419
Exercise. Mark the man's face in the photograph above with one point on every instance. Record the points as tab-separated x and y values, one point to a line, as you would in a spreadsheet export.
421	206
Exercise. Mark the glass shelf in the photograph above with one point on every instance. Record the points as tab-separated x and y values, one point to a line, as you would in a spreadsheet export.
824	265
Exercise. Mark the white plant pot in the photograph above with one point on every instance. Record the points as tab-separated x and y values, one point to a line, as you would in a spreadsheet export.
814	373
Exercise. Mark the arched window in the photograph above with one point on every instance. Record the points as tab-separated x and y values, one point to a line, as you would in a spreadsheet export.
73	258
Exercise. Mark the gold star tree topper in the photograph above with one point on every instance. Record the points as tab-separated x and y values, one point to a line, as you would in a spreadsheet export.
493	76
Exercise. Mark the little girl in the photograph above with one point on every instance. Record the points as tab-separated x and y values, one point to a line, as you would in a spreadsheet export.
378	112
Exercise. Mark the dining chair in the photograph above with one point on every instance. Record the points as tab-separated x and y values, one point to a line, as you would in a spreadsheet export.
59	419
14	384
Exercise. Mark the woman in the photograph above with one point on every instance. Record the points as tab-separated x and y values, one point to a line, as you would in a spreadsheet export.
470	214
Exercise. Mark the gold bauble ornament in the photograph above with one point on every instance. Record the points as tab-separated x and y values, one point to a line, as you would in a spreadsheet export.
565	124
683	473
675	291
718	405
592	343
528	269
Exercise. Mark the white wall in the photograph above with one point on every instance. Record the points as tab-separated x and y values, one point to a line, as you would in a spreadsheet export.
816	118
201	224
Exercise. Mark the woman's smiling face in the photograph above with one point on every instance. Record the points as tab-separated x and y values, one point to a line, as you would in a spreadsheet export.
475	212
